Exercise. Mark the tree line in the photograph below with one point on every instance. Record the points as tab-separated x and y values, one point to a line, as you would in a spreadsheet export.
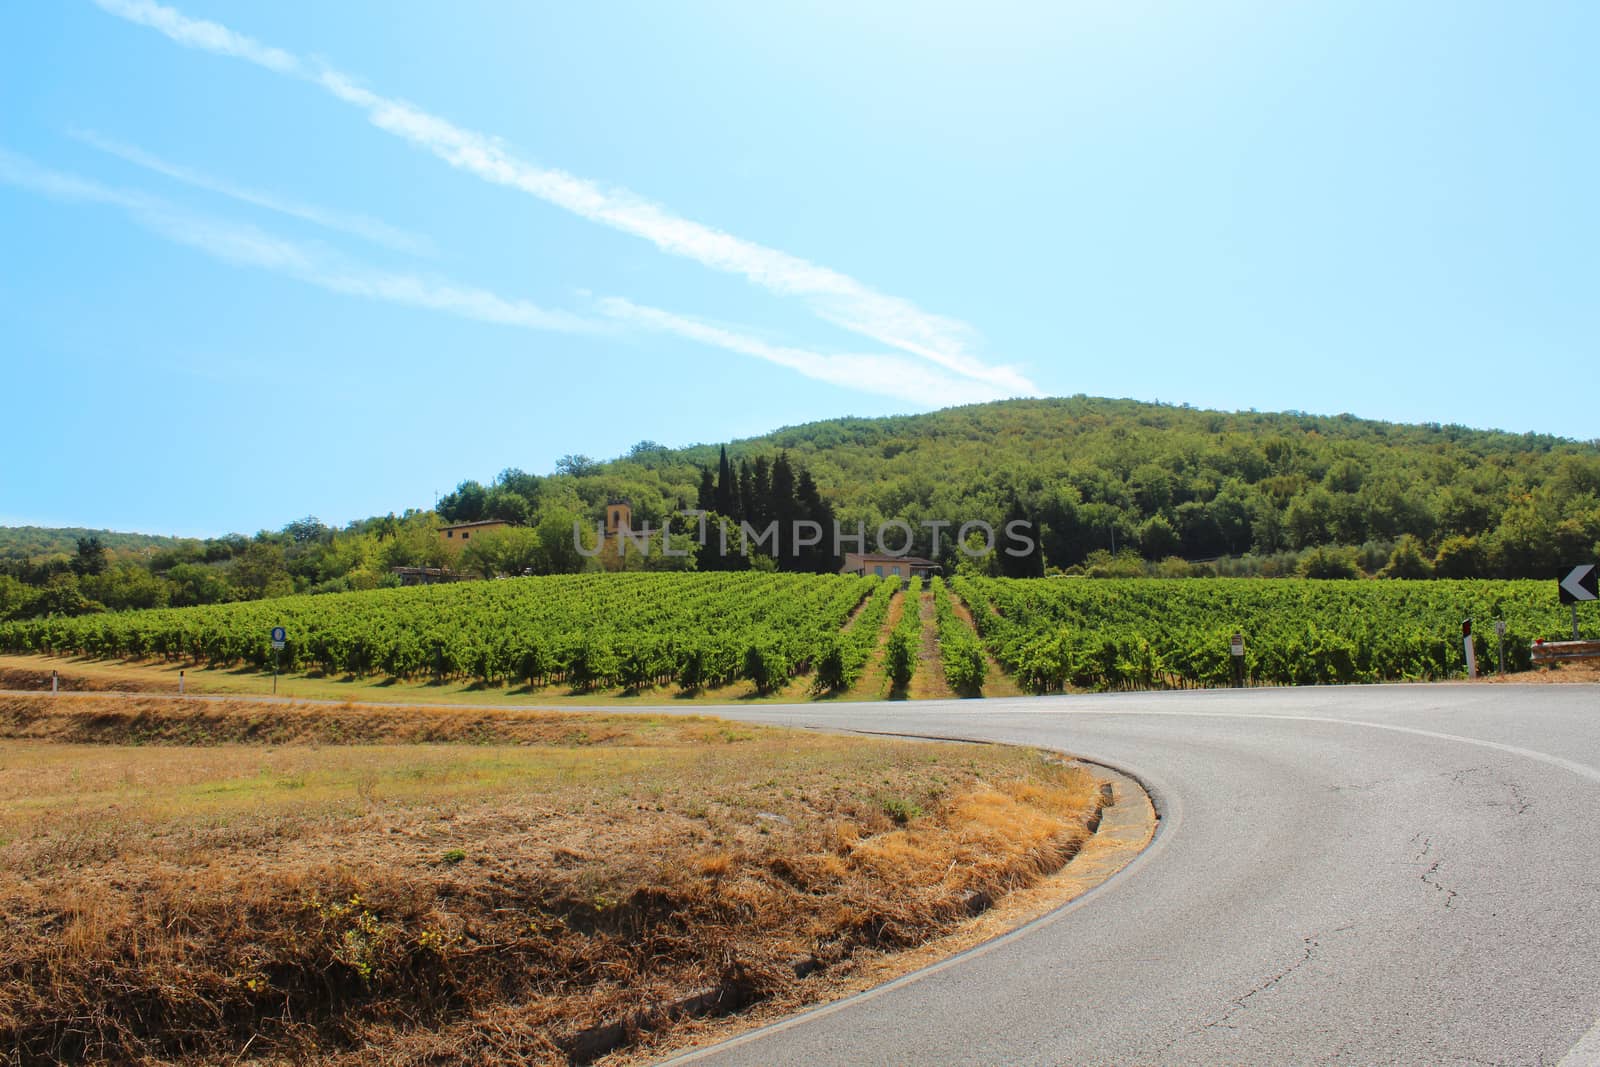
305	556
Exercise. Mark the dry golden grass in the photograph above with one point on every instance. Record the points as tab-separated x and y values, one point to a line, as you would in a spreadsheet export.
193	882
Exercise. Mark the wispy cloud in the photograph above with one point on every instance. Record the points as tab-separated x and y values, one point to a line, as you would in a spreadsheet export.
355	225
245	245
836	297
887	375
198	33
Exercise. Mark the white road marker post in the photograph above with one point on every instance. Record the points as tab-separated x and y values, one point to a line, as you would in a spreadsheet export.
180	683
1472	655
55	682
1500	635
1236	651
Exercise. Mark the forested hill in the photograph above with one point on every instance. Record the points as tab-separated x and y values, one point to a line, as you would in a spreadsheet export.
30	542
1176	481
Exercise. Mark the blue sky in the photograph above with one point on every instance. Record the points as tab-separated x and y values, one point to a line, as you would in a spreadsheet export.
262	261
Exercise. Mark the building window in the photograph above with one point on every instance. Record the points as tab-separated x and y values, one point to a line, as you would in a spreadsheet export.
465	535
895	571
449	533
878	570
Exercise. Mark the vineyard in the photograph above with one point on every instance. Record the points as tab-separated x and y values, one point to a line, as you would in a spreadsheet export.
959	652
1158	633
905	642
697	631
590	631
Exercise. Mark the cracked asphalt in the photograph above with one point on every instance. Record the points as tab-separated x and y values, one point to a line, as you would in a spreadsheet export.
1362	875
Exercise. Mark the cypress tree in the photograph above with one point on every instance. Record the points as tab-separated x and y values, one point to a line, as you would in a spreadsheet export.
759	505
809	504
1028	566
707	500
727	489
783	507
745	502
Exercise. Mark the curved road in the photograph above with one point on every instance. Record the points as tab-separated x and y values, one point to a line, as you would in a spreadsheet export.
1365	875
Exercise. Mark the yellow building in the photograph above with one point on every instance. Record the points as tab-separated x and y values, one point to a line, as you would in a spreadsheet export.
619	517
462	532
880	565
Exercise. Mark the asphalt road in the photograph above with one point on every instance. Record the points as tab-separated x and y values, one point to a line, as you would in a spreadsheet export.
1362	875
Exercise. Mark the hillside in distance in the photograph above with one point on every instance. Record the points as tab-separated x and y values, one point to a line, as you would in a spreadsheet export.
30	542
1168	481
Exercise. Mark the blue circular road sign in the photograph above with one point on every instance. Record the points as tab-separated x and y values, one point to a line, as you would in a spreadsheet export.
279	633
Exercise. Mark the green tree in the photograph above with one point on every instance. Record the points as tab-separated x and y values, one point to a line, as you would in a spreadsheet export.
61	596
465	504
16	599
1268	528
577	465
975	560
759	508
784	508
1309	518
1157	539
747	492
90	557
1460	557
1030	565
1408	560
260	572
308	531
1198	530
810	506
127	587
196	583
520	482
727	499
511	552
558	553
1326	562
1127	563
706	496
503	504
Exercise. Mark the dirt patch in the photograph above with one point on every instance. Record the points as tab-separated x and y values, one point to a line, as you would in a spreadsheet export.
241	883
874	681
1558	674
855	612
928	683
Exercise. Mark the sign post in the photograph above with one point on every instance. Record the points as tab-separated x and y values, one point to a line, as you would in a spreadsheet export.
1500	635
1472	654
1236	648
279	636
1578	584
